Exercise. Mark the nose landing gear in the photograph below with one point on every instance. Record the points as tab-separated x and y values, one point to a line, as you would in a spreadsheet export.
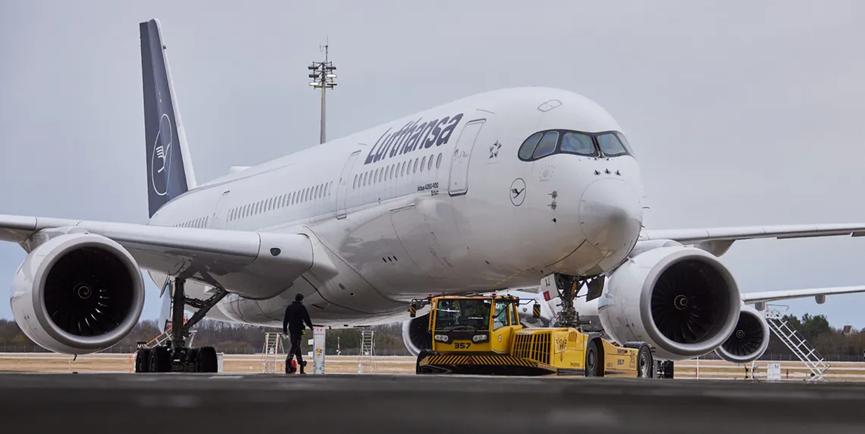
568	287
174	355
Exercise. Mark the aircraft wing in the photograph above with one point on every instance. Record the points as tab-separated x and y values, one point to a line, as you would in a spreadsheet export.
691	236
246	262
819	293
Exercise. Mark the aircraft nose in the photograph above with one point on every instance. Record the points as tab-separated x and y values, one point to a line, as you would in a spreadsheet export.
611	216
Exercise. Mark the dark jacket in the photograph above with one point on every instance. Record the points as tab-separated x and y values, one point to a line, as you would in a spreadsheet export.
295	317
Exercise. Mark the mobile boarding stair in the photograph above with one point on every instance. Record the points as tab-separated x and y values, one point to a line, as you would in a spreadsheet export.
799	346
164	337
274	348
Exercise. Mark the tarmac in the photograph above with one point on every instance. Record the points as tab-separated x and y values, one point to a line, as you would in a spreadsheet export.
202	403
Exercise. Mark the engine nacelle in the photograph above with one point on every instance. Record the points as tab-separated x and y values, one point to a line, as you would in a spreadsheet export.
77	293
416	335
749	339
680	300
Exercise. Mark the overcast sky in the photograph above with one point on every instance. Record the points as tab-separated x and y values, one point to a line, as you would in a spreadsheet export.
741	112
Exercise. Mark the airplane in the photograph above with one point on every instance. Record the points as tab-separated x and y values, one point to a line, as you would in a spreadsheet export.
498	190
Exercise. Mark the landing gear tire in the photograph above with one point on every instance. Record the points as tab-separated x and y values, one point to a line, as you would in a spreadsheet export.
645	362
594	363
665	369
207	360
142	360
160	359
191	358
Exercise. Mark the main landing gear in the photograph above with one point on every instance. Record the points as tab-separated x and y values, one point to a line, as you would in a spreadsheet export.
173	355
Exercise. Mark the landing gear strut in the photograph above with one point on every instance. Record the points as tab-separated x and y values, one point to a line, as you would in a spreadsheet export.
173	354
568	287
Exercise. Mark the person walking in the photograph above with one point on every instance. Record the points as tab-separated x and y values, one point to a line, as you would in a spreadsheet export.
296	317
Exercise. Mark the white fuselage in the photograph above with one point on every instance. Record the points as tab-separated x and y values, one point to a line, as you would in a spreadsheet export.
435	202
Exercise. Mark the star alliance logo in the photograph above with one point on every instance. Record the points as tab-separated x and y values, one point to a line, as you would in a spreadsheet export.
494	150
160	161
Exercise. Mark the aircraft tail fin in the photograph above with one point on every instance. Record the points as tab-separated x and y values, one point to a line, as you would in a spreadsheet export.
169	171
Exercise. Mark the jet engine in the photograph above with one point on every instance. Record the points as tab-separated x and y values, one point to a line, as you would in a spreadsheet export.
680	300
77	293
416	335
749	339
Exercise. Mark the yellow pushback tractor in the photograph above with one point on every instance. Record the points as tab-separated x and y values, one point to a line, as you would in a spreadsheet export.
482	334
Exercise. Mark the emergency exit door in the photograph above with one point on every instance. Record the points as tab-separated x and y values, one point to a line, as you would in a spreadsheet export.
459	175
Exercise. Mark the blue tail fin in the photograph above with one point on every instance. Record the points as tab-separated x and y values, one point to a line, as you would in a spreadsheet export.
167	176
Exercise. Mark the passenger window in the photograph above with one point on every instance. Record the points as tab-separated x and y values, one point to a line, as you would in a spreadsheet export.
439	160
578	143
528	147
429	163
547	145
414	169
610	145
422	163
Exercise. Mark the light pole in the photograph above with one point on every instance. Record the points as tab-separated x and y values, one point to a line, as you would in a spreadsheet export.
322	77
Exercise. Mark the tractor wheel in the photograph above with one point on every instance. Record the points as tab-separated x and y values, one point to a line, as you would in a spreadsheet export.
645	362
594	363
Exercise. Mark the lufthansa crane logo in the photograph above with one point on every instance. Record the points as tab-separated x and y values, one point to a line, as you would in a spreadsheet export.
160	161
518	192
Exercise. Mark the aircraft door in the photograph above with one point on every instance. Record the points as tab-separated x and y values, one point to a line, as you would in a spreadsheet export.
219	218
342	186
458	183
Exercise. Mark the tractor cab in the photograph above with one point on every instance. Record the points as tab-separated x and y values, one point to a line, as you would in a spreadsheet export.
473	323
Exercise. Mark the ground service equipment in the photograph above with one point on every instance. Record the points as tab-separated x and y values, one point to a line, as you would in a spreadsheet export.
482	334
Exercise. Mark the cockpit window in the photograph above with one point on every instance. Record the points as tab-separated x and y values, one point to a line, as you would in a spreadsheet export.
547	145
624	141
610	145
599	145
578	143
528	147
